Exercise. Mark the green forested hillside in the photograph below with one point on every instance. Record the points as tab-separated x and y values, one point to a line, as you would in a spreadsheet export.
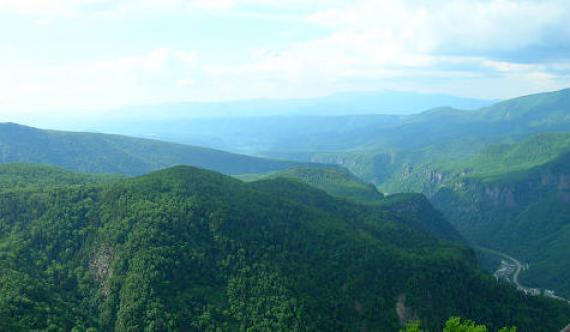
299	135
514	198
192	250
502	161
428	171
500	175
336	181
18	176
511	181
100	153
511	197
414	209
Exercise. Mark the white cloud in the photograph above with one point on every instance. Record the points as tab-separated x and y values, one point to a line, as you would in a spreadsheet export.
428	26
50	8
186	82
452	46
101	84
229	4
377	43
211	4
35	7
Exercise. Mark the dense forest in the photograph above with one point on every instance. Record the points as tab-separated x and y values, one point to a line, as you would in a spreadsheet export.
499	173
188	249
414	209
336	181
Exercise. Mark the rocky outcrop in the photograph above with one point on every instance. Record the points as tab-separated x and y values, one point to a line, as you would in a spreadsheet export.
436	177
100	267
405	313
500	195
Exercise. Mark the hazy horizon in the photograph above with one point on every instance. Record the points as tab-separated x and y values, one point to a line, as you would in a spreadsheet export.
76	58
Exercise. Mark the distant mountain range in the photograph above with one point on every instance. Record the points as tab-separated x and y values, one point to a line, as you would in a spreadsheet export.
347	103
203	123
298	134
379	151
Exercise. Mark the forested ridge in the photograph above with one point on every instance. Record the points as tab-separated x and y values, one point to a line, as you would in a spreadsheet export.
414	209
188	249
335	180
115	154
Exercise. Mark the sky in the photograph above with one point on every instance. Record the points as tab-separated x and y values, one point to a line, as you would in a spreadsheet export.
84	55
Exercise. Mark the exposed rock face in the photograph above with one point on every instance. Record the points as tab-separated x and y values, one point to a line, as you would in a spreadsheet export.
436	177
560	180
407	172
523	212
100	266
501	196
405	313
515	194
564	182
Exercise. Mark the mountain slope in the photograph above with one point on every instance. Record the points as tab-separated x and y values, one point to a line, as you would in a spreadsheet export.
186	249
514	198
392	154
537	110
100	153
336	181
414	210
38	176
510	119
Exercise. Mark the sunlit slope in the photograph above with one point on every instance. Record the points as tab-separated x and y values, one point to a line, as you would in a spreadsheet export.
336	181
18	176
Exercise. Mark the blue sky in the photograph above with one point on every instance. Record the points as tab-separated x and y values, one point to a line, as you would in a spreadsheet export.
85	55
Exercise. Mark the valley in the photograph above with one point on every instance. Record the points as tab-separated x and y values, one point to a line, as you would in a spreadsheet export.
510	270
499	174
